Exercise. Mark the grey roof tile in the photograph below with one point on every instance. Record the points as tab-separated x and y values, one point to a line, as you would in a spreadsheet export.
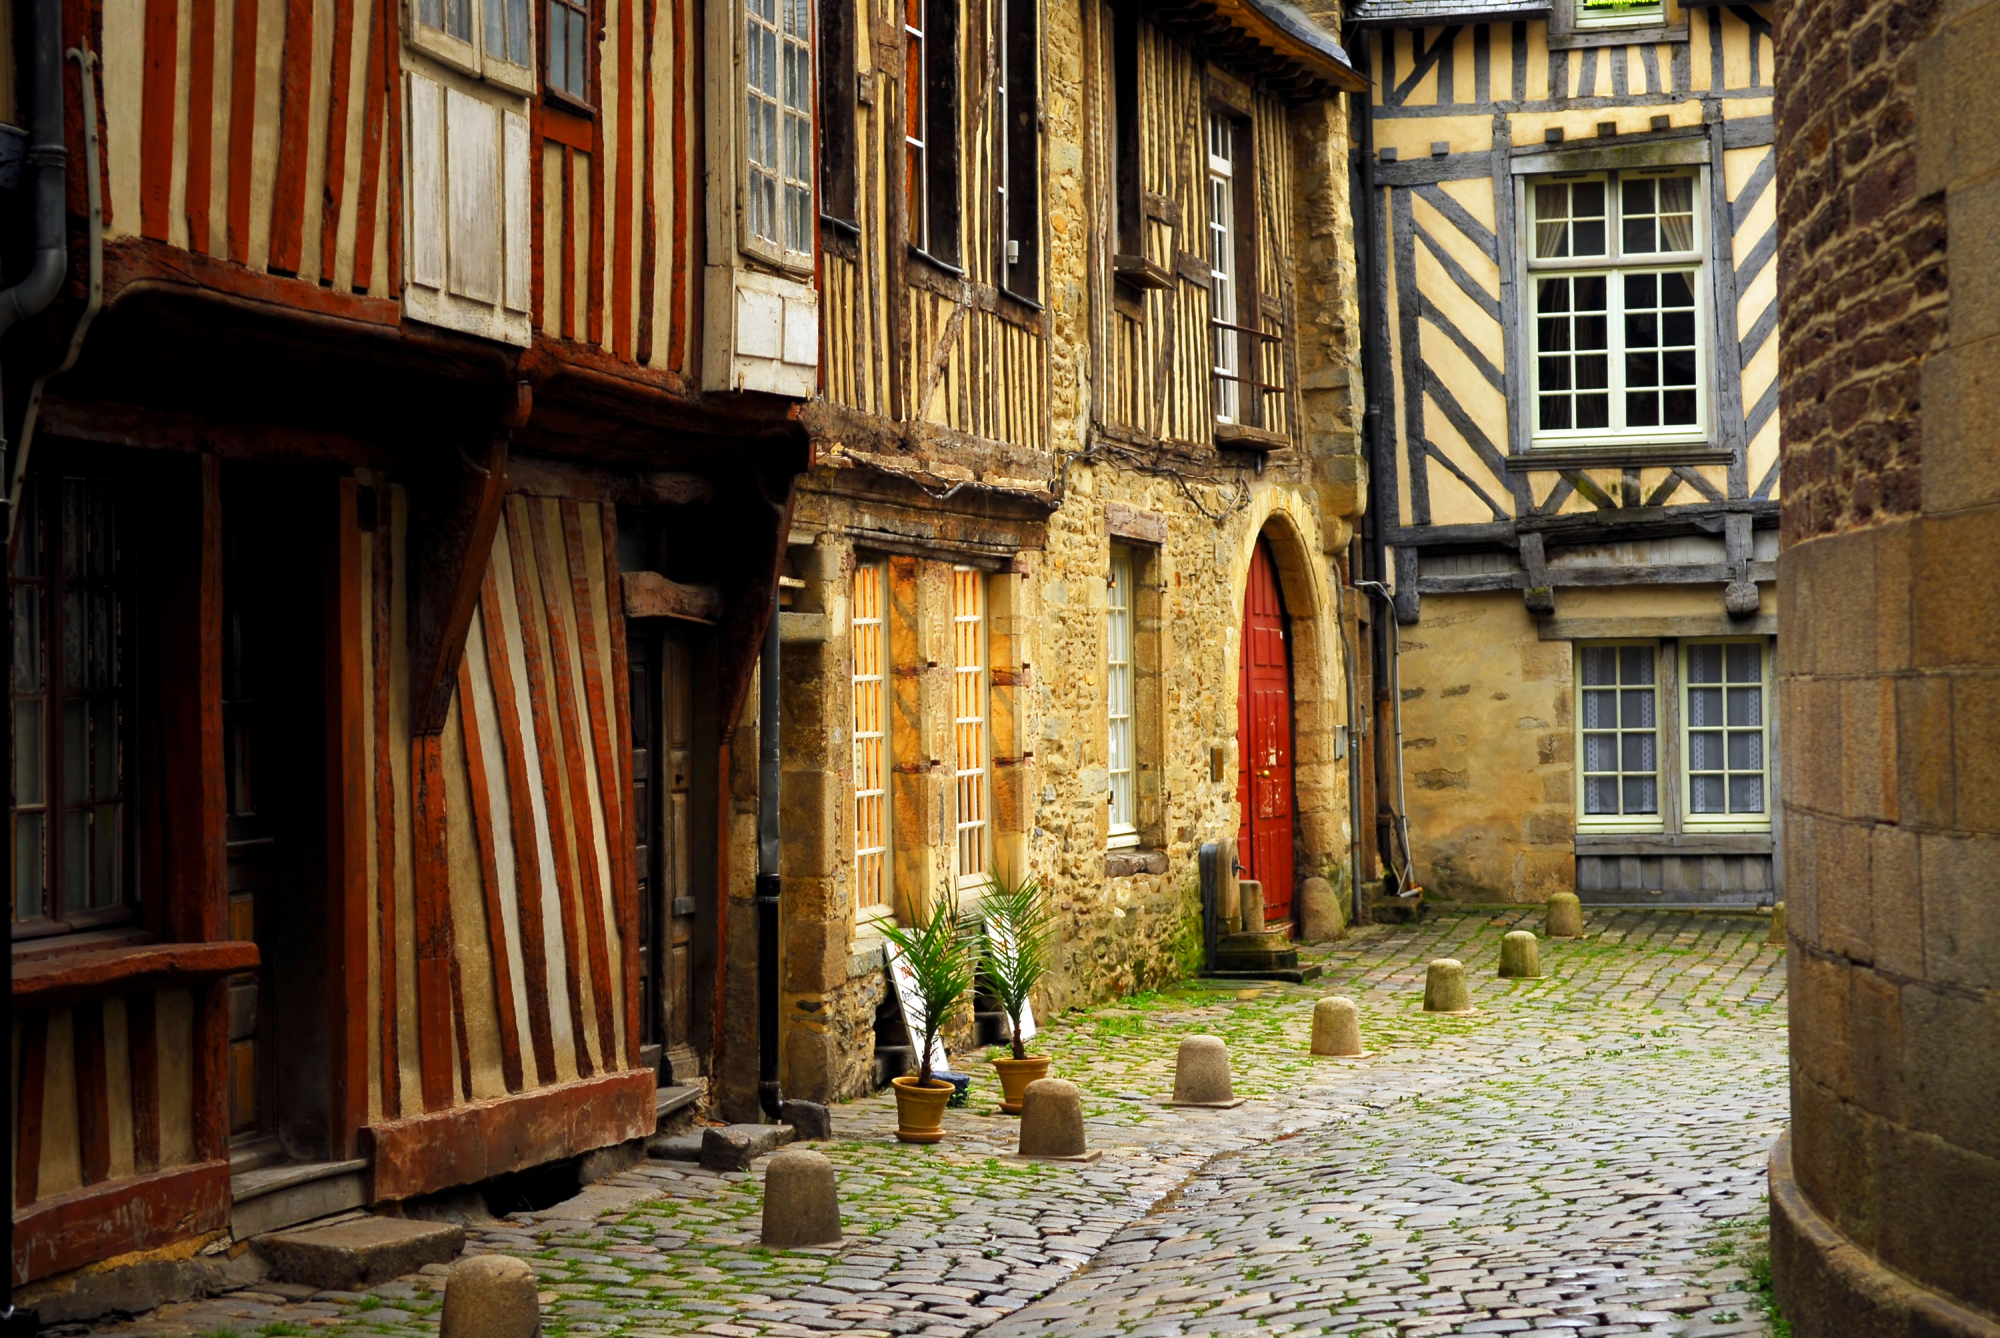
1432	11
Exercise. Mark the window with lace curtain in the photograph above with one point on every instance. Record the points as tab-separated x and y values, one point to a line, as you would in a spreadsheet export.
1616	271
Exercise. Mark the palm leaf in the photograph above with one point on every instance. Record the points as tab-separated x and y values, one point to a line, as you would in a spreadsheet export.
1021	937
940	956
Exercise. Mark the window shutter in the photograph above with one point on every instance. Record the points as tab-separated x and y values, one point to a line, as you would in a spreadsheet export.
473	134
520	237
470	241
427	244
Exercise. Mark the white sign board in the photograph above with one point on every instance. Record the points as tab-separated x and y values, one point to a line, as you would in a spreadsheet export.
911	1000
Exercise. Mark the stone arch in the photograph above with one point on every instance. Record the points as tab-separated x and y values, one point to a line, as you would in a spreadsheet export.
1285	520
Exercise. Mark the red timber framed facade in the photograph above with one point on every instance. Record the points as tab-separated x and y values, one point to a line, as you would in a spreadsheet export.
413	506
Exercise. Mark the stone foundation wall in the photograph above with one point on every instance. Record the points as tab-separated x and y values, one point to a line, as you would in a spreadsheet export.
1889	137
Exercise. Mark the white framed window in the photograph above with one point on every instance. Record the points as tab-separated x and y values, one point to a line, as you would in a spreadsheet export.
1120	691
1618	318
971	735
1619	13
778	130
1618	736
1223	279
1725	715
488	39
868	631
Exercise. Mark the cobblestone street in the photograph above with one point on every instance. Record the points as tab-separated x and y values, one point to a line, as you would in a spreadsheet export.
1585	1153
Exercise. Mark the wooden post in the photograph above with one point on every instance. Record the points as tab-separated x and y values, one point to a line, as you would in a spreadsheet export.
346	840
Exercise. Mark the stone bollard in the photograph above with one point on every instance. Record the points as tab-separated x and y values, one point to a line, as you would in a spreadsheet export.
801	1200
1250	896
1444	988
1336	1028
1052	1122
1520	959
1201	1073
492	1296
1565	916
1321	916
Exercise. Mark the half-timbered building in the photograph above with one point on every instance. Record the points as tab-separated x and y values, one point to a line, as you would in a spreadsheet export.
402	404
1088	456
1572	393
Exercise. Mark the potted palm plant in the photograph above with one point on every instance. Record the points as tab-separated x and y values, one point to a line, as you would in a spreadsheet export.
1020	944
939	960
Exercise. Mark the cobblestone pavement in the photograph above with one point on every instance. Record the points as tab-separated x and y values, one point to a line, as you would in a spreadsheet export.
1583	1154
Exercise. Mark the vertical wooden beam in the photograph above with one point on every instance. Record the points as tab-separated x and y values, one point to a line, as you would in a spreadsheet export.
201	121
383	585
28	1113
432	869
142	1051
625	844
211	1081
346	817
527	849
566	287
621	244
335	193
549	747
595	287
549	559
375	96
483	836
647	231
242	125
93	1095
392	49
685	167
156	120
288	197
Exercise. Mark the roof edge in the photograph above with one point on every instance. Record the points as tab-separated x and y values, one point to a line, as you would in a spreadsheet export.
1288	30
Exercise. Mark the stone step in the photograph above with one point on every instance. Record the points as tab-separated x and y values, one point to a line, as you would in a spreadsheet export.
271	1198
667	1100
361	1252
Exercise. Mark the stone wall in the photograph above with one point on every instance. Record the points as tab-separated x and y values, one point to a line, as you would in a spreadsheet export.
1886	1196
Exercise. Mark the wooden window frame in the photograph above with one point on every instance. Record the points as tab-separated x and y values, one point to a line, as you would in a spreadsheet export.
1728	822
1241	328
838	74
586	103
1121	634
1127	161
971	685
1614	264
1663	780
1570	29
1019	147
931	133
863	630
53	696
777	250
472	54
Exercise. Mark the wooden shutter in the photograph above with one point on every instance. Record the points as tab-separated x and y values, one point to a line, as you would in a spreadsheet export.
469	210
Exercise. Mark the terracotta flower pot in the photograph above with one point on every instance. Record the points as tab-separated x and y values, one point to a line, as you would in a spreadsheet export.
1015	1075
920	1109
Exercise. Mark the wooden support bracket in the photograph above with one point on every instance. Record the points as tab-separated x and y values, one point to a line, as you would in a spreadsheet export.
651	595
458	514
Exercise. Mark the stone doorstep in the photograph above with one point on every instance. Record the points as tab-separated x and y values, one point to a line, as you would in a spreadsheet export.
360	1252
271	1198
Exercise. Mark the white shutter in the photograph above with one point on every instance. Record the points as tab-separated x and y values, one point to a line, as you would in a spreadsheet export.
427	236
520	237
472	132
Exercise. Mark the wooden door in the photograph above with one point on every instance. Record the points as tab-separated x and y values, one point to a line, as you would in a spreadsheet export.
1264	740
663	728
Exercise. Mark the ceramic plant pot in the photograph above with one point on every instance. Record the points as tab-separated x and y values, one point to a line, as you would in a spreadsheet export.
1015	1075
920	1109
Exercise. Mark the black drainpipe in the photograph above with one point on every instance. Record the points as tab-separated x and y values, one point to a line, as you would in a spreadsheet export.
50	160
768	1094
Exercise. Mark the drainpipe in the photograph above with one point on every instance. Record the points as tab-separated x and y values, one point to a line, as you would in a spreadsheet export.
768	1095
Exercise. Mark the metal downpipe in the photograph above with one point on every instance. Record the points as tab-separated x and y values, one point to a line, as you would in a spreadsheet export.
768	885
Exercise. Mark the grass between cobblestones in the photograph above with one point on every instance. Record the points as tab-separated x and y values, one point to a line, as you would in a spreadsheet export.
1582	1154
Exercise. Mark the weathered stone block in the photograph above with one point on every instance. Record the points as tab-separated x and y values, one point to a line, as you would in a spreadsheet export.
810	1121
1565	916
1336	1027
492	1296
1052	1120
348	1256
1322	915
801	1201
734	1146
1520	958
1445	989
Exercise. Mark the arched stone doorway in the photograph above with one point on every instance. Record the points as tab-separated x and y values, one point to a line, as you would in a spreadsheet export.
1265	842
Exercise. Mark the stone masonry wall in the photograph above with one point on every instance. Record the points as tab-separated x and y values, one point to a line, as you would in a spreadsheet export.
1886	1206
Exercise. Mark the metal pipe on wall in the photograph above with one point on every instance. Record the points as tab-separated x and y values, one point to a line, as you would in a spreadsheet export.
769	772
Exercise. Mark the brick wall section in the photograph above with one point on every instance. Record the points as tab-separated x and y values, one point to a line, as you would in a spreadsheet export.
1861	264
1889	161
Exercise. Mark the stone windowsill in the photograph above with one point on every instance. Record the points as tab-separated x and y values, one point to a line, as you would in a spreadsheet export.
1127	863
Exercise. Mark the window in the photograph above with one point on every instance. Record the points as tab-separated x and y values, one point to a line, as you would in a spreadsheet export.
72	709
839	70
1125	122
1120	692
930	133
869	630
1728	766
1618	723
1616	275
777	63
1020	148
488	39
1618	13
1222	284
568	70
969	724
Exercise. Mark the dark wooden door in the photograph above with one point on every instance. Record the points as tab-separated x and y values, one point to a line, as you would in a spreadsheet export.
1264	740
663	728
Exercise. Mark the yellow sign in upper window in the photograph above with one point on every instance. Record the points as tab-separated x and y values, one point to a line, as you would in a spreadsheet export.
1619	13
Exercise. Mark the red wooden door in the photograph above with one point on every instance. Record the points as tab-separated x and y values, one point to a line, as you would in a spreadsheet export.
1264	740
